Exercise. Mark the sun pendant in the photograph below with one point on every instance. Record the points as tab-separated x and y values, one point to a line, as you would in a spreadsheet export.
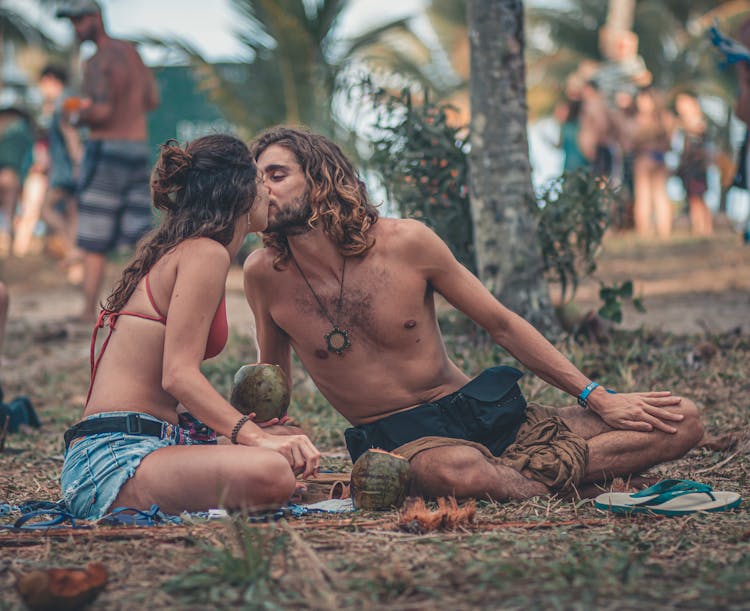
338	340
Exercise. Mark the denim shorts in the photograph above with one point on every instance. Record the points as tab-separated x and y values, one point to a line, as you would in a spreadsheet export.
96	467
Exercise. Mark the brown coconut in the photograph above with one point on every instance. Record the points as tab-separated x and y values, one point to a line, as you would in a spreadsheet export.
379	480
62	589
260	388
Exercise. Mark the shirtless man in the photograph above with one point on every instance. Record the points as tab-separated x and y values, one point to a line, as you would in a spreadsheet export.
113	191
354	296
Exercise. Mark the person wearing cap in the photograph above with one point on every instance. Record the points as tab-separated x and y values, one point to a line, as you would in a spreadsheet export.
113	183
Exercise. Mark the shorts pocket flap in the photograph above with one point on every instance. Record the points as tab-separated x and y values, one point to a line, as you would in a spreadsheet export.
492	384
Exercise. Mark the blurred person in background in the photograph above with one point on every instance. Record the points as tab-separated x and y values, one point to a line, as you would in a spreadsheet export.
596	129
568	114
742	110
693	166
60	210
32	195
4	301
16	141
623	116
113	186
651	141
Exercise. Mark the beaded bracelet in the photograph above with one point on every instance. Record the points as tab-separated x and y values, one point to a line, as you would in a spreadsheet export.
236	430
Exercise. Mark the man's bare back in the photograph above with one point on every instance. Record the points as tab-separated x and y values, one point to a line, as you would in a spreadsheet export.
122	89
388	308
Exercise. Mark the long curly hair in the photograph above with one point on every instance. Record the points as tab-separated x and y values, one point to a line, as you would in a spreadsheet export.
338	197
201	190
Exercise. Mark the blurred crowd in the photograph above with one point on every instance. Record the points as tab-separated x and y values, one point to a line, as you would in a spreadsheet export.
40	153
625	133
624	130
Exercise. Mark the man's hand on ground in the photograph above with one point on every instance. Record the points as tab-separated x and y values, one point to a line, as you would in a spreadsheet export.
637	411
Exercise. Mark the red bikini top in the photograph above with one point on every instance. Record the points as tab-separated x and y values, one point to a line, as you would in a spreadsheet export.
217	334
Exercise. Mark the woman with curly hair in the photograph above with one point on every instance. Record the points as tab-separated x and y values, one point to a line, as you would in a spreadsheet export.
134	447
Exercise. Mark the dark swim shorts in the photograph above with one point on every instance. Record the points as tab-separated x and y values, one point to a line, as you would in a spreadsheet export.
490	415
488	410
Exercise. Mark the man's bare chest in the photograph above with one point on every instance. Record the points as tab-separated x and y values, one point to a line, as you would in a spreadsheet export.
375	305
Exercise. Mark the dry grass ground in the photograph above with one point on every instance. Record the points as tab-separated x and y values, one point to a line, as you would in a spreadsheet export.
543	553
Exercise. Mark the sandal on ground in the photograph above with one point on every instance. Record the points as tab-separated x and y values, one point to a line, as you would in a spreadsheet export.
129	516
670	497
57	519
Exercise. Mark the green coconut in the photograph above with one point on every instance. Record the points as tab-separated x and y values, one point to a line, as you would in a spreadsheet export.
379	480
260	388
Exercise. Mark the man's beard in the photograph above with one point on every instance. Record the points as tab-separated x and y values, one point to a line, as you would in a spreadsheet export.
291	220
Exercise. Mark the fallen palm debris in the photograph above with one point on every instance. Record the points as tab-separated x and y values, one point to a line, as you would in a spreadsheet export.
62	589
417	518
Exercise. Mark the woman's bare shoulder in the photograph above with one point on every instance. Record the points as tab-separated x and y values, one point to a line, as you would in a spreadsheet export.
204	248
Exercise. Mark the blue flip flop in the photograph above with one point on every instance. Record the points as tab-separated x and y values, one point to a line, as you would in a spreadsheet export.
670	497
129	516
56	519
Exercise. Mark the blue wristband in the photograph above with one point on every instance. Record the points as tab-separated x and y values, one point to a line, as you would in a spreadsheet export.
583	397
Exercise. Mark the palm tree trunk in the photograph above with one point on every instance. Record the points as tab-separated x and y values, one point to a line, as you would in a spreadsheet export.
508	256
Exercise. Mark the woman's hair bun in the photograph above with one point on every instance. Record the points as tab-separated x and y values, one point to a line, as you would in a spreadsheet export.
170	174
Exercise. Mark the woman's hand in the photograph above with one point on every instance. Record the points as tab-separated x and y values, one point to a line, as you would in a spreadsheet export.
284	420
266	423
302	455
637	411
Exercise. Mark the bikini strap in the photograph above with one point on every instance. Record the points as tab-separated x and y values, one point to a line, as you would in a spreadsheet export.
94	360
152	300
108	317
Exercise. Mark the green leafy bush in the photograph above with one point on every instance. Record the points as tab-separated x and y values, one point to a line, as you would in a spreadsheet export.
572	212
422	159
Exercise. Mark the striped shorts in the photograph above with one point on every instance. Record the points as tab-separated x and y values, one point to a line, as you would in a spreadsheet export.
114	198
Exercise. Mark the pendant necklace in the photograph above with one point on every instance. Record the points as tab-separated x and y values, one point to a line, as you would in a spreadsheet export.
338	339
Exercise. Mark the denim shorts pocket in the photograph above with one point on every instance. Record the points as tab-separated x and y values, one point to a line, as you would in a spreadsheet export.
77	481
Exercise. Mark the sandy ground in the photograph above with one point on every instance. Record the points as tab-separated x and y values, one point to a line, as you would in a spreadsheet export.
687	285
